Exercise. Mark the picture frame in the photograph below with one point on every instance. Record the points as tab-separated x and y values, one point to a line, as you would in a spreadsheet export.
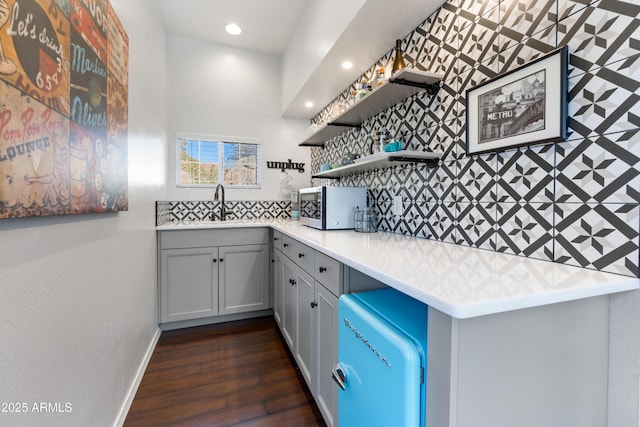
524	106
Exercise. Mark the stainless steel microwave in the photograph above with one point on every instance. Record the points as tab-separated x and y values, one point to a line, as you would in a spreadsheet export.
331	208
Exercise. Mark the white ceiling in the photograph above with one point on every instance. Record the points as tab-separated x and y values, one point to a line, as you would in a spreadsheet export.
268	26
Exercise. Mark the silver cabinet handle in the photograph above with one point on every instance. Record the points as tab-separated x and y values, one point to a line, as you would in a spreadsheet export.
338	376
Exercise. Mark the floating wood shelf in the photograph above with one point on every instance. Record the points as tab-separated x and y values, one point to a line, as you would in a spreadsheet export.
379	161
403	84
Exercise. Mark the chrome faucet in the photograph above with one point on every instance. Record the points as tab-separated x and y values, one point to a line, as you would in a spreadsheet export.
223	213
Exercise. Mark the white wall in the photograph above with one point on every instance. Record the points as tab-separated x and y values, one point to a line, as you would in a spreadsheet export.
77	304
319	28
225	91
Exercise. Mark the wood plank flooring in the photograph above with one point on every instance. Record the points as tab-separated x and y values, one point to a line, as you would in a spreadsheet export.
230	374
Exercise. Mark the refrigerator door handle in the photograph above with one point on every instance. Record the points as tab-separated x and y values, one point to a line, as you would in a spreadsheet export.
338	376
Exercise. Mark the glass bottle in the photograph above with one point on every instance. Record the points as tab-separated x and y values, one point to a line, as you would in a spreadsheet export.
398	62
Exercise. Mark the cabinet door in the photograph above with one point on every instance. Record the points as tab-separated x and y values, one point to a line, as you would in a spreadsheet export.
305	328
326	353
289	301
189	284
278	288
244	278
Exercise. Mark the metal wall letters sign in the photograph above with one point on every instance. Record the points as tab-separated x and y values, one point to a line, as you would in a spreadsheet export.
286	165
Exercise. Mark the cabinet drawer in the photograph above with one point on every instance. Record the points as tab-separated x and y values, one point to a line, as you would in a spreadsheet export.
301	254
288	246
176	239
328	271
304	256
276	240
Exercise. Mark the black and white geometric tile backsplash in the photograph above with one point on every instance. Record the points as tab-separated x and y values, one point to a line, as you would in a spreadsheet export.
574	202
209	210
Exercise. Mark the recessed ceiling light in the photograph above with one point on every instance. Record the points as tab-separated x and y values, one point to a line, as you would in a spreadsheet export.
347	65
308	104
233	29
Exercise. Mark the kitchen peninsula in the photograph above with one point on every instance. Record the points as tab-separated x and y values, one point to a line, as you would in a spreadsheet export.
510	339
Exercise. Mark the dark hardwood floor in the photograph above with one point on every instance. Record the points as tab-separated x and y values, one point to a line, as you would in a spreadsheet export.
231	374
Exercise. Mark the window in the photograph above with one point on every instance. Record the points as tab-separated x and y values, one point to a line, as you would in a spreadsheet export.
206	161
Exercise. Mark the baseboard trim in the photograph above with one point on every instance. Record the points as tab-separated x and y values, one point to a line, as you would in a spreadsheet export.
124	410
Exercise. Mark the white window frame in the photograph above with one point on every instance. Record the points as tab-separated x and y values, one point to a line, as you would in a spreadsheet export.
219	140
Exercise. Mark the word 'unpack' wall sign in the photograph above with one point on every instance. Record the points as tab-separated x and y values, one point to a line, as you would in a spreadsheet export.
63	108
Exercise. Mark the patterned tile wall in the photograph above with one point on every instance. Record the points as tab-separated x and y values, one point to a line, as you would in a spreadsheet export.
208	210
574	202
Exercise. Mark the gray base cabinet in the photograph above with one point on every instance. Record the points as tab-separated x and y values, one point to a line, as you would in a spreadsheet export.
305	327
326	353
289	302
243	278
542	366
188	283
209	273
306	289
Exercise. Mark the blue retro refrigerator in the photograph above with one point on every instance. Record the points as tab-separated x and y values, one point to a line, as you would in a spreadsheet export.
381	370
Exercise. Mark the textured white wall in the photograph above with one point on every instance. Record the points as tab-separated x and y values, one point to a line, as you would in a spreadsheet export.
225	91
78	293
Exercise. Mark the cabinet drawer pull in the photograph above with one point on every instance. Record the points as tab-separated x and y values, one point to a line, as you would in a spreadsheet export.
276	239
221	259
300	255
293	282
286	245
314	304
215	260
322	269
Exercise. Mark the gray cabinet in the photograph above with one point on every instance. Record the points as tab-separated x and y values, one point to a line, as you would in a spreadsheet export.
188	283
305	327
289	302
243	278
308	289
326	352
209	273
278	288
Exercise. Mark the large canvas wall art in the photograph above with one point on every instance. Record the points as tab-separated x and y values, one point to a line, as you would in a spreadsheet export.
63	108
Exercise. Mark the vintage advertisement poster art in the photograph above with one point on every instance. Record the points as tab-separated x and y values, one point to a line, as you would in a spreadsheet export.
88	92
117	50
34	51
89	20
63	130
34	157
88	171
525	106
117	140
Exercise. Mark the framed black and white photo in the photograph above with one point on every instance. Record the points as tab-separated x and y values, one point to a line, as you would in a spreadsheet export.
525	106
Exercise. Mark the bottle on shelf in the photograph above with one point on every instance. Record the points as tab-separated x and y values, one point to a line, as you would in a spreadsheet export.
378	78
363	91
398	62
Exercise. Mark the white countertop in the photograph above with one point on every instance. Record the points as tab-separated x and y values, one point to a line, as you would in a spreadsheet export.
460	281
